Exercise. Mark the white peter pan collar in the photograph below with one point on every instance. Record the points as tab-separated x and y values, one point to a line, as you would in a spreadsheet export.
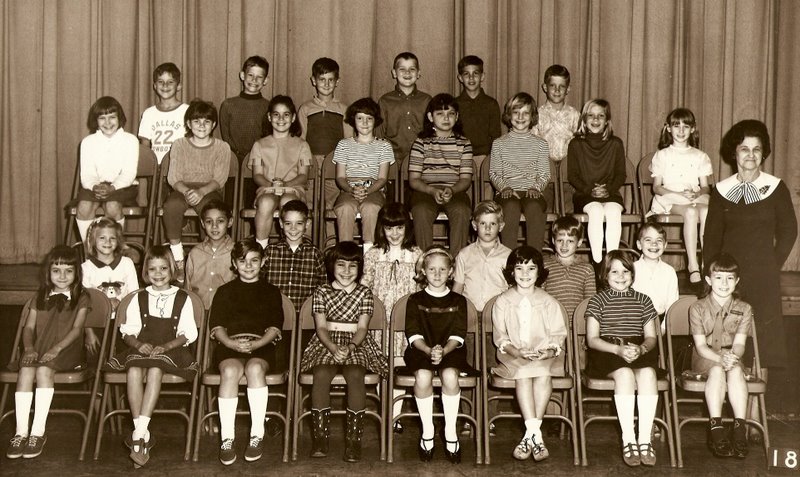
765	183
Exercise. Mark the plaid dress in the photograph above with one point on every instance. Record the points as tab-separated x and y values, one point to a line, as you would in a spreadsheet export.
342	307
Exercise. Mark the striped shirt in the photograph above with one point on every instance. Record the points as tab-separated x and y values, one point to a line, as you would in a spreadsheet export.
519	161
621	314
569	285
363	161
441	160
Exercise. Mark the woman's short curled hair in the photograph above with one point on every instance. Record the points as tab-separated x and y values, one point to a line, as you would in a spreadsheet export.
736	134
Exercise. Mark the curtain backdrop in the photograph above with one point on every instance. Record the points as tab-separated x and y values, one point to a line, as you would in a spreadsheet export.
720	58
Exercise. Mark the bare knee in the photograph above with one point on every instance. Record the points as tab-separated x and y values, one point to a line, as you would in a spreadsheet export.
256	369
230	372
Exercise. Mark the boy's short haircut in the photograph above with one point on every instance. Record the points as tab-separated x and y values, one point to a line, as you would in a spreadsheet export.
723	262
347	251
518	101
170	68
216	204
105	105
406	55
364	106
652	225
487	207
470	60
295	206
556	70
569	225
199	109
242	247
325	65
259	61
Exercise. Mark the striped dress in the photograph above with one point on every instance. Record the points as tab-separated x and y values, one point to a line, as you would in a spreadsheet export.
622	316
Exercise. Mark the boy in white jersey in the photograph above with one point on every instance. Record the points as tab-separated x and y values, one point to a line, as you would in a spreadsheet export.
162	123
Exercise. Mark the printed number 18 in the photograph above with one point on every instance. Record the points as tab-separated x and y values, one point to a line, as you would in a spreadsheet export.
786	458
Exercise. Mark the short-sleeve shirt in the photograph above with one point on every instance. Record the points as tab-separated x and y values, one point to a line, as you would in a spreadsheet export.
441	160
363	161
622	314
736	316
162	128
481	273
681	167
342	307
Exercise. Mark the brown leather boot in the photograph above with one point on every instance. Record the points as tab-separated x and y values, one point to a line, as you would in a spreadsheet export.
320	427
355	429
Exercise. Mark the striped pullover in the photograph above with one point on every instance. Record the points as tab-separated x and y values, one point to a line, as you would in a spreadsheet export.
441	160
621	313
519	161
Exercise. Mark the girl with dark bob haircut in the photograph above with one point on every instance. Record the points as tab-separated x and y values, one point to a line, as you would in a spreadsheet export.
525	254
366	106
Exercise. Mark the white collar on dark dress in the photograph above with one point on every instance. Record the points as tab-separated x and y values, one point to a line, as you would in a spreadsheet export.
765	184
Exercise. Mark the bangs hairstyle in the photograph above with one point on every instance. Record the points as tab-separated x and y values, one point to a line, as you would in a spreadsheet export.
366	106
625	258
242	247
392	215
406	55
199	109
519	101
325	65
470	60
295	130
105	105
556	70
488	207
652	225
735	136
95	227
347	251
169	68
583	130
295	205
158	252
60	255
216	204
521	255
723	262
675	117
258	61
422	262
569	225
441	102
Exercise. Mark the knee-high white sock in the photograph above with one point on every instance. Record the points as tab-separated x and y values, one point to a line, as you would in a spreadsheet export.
595	232
425	408
613	233
177	251
263	242
450	407
42	401
625	405
22	405
257	398
227	417
83	228
647	412
397	408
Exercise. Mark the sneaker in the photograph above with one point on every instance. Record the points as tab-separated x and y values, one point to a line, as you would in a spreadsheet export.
540	452
630	455
523	450
16	446
647	455
273	427
255	448
492	430
34	447
180	271
227	454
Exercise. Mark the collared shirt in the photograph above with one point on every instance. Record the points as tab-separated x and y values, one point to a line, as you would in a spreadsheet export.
403	116
481	273
208	269
160	304
557	128
121	270
528	321
736	317
764	185
295	273
323	124
480	117
658	281
109	159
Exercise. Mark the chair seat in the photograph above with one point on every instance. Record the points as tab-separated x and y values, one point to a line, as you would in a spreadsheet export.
608	384
370	379
559	382
273	379
113	377
463	381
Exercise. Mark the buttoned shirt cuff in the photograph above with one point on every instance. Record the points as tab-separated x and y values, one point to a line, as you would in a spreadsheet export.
459	339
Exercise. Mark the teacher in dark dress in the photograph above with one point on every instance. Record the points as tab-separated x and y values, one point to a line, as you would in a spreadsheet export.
751	216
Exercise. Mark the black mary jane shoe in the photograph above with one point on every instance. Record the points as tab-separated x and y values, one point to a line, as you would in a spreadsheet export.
425	455
453	457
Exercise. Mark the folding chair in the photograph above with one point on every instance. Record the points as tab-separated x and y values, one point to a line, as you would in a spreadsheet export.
230	194
606	385
399	377
76	381
146	174
326	212
563	386
302	401
631	216
275	378
678	325
486	191
172	385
